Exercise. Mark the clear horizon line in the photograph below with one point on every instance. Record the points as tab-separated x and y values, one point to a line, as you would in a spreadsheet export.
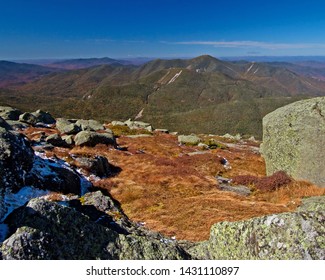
158	57
248	44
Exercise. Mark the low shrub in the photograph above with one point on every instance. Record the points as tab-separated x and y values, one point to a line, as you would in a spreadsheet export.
268	183
245	180
273	182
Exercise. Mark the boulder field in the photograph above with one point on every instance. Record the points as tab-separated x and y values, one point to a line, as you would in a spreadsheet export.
71	222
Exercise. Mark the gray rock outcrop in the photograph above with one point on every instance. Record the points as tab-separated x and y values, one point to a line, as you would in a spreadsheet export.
298	235
37	117
56	140
189	139
9	113
54	175
16	159
90	125
90	138
5	125
294	140
28	118
43	117
66	127
138	125
97	165
48	230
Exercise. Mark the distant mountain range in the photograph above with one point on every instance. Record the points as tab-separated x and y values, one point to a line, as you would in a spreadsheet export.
203	94
81	63
14	74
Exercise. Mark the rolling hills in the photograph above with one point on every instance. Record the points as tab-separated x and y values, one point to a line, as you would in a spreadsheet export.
202	95
14	74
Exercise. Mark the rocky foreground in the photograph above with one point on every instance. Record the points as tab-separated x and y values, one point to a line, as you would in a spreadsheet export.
58	194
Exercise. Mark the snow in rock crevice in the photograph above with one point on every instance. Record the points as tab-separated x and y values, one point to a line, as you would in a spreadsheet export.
10	201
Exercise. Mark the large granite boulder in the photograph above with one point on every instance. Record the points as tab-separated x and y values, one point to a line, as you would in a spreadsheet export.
97	165
28	118
191	140
91	138
138	125
297	235
49	230
9	113
66	127
55	175
90	125
5	125
16	159
43	117
294	140
56	140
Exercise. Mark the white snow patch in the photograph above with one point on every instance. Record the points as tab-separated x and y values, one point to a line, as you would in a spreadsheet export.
85	181
11	201
43	164
256	70
175	77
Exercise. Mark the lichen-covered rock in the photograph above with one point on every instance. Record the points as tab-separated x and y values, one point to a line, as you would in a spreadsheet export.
97	165
134	247
138	125
9	113
90	138
189	139
28	118
56	140
316	203
68	139
66	127
106	205
293	140
43	117
17	124
114	123
5	125
292	236
54	175
16	160
90	125
48	230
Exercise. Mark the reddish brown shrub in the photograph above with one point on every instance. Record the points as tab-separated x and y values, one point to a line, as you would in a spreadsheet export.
273	182
269	183
245	180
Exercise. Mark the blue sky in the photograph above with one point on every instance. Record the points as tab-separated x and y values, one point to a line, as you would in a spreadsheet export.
34	29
